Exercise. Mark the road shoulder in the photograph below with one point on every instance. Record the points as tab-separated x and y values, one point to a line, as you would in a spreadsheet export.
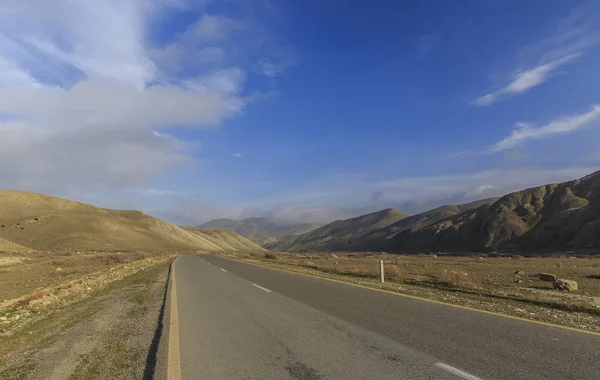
105	336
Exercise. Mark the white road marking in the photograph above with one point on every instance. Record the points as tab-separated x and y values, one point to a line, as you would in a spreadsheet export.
261	288
223	269
456	371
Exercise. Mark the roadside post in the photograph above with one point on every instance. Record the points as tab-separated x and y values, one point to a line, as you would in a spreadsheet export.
381	272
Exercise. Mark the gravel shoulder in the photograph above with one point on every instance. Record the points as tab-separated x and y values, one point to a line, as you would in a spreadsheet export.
106	335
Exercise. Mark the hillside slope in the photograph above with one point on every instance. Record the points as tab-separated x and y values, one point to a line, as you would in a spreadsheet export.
341	235
259	230
555	216
48	223
227	240
9	246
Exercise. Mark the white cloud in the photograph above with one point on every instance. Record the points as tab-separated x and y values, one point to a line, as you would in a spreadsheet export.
268	68
236	155
326	199
562	126
84	106
103	39
526	80
226	81
212	28
479	190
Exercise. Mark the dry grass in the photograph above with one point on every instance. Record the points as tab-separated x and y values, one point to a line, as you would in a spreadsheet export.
270	256
476	275
41	269
30	297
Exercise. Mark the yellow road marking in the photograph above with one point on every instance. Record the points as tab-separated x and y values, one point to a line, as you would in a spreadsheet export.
423	299
173	361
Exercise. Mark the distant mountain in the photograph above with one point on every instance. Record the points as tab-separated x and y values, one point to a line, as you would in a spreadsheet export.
555	216
341	235
259	230
40	222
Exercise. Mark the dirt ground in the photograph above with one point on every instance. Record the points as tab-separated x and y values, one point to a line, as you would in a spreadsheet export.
508	285
106	335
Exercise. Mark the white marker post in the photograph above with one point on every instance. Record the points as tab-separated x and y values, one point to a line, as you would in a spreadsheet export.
381	272
234	253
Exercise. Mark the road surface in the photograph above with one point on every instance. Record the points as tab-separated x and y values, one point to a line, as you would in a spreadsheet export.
240	321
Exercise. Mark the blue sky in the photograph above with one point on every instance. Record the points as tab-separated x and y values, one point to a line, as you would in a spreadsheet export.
299	110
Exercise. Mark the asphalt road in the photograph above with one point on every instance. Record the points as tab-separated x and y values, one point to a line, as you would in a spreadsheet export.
241	321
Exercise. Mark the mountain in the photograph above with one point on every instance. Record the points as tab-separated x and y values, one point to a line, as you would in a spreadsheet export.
341	235
259	230
555	216
42	222
548	217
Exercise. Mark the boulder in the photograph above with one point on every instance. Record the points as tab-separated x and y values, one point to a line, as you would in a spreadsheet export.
520	273
568	285
547	277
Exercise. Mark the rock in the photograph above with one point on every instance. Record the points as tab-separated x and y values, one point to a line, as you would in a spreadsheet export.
434	256
334	255
34	303
59	269
547	277
3	319
520	273
568	285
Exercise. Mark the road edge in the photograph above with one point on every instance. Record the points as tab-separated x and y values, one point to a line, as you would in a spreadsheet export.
547	324
173	357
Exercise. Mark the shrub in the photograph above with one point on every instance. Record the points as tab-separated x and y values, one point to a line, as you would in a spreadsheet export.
30	297
270	256
453	278
392	271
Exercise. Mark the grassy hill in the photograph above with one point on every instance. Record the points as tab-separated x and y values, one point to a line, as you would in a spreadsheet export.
259	230
48	223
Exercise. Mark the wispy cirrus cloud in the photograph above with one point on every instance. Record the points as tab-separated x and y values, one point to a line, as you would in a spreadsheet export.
237	155
562	43
526	80
561	126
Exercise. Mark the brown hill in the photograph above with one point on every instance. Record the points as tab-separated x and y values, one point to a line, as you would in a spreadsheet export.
227	240
341	235
555	216
43	222
259	230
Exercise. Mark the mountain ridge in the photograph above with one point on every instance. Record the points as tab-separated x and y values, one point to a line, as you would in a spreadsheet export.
563	215
258	229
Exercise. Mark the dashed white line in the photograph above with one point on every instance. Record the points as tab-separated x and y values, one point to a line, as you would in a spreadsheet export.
456	371
261	288
223	269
